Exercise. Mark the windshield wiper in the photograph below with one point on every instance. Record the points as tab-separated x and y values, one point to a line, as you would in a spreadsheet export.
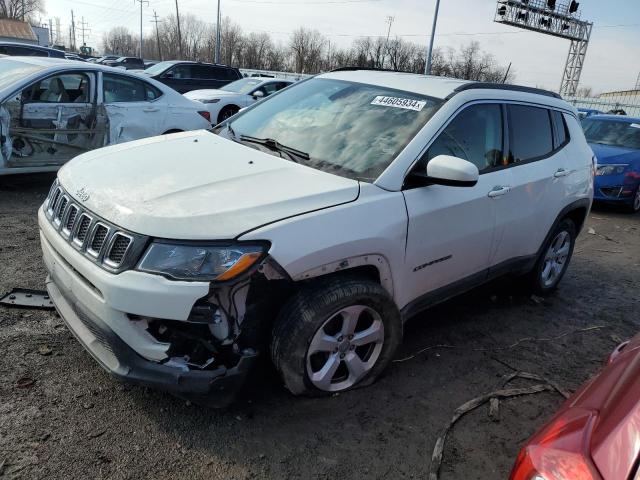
276	146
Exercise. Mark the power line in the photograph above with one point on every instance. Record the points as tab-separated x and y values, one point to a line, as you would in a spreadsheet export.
141	2
83	29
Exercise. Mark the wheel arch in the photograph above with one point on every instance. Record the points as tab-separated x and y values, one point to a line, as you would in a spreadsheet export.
576	211
374	267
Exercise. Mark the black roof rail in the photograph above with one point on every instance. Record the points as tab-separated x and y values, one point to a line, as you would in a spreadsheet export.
352	69
503	86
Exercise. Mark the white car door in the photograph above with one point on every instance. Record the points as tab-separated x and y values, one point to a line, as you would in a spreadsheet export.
135	108
450	232
539	168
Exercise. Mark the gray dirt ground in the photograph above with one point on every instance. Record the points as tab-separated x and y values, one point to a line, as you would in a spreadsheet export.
77	422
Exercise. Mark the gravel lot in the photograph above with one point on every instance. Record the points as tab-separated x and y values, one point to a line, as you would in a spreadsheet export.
75	421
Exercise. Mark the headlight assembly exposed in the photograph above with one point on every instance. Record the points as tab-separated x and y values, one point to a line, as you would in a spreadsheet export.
200	262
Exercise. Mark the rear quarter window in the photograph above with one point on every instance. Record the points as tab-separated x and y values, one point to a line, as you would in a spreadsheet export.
530	133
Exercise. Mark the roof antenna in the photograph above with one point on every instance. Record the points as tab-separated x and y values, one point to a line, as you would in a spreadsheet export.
504	80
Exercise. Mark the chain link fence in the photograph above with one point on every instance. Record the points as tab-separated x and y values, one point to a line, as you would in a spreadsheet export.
629	102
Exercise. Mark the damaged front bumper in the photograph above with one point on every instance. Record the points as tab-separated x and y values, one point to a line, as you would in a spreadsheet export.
113	315
216	388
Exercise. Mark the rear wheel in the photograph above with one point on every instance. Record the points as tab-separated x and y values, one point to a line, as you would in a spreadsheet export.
554	259
227	112
334	336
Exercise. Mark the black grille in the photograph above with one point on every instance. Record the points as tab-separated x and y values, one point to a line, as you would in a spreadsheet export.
118	249
73	213
83	228
63	205
611	191
99	237
93	328
56	194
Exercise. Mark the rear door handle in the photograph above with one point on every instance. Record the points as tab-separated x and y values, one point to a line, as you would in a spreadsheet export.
150	109
499	191
561	172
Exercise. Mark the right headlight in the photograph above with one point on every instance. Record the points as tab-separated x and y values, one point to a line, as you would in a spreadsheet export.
610	170
200	262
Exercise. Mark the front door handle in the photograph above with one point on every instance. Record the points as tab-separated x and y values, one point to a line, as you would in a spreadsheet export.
150	109
499	191
561	172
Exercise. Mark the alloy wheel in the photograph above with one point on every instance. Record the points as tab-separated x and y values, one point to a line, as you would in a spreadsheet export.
556	258
345	348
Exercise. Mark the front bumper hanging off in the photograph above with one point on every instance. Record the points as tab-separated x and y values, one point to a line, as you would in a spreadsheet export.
215	388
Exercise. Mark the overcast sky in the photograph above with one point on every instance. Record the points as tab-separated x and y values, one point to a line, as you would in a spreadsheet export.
613	59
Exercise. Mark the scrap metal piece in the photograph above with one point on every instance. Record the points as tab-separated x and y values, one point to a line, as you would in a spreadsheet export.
25	298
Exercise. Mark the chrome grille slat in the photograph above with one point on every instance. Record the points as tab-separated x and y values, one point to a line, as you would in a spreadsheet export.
103	243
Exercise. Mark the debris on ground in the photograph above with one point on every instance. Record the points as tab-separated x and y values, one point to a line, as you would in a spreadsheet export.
26	298
25	382
44	350
494	398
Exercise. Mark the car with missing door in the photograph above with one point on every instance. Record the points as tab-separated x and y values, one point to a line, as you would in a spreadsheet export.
54	109
309	227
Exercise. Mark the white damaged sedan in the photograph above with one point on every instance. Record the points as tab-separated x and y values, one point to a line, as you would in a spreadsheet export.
52	110
227	101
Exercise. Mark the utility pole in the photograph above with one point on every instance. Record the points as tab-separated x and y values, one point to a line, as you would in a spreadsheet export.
141	2
427	67
73	33
23	10
390	20
83	29
156	21
218	35
179	34
50	32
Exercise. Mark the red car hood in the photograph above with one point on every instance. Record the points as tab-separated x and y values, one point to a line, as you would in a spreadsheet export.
615	395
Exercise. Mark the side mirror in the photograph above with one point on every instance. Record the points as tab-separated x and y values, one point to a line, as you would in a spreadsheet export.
446	170
258	94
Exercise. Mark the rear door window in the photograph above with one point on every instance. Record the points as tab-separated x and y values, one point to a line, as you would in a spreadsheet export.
530	133
560	129
182	72
121	89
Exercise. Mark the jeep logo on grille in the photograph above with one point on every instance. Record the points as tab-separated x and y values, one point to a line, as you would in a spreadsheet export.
83	194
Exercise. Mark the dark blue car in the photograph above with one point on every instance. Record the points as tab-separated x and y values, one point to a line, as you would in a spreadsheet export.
615	140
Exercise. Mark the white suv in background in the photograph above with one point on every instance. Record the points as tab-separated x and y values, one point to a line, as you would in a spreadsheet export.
310	227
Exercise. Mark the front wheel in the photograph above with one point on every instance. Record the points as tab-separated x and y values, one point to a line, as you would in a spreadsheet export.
335	335
554	259
634	206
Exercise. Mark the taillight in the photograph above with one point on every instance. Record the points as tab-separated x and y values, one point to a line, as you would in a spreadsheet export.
633	175
206	115
560	451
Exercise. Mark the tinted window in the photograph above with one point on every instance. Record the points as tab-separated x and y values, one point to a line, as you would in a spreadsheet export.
17	50
118	89
228	74
530	133
205	72
474	135
181	71
560	128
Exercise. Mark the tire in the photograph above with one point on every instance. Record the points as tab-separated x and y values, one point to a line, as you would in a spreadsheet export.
634	206
555	254
327	304
226	112
169	132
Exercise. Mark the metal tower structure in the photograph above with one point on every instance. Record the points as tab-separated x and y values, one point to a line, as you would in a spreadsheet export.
559	19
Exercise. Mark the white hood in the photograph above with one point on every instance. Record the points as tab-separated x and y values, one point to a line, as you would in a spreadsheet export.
197	185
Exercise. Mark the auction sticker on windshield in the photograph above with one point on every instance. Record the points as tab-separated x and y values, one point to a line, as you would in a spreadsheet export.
397	102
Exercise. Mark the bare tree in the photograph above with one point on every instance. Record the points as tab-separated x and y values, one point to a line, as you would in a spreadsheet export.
120	41
20	9
306	46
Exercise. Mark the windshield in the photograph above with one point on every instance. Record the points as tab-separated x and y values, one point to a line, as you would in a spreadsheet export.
158	68
350	129
616	133
244	85
11	71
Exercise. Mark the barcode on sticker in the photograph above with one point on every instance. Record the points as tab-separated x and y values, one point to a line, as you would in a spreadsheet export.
397	102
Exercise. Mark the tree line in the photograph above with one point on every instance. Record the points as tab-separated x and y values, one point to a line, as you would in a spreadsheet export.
306	50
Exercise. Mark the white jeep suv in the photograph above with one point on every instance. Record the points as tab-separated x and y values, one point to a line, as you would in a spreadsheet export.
309	227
